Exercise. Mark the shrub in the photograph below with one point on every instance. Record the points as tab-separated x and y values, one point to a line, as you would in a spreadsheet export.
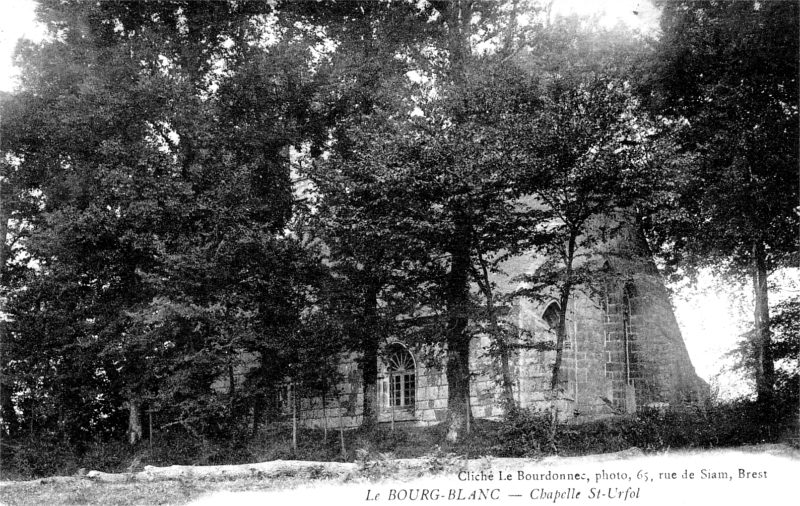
35	457
522	434
382	466
527	434
742	422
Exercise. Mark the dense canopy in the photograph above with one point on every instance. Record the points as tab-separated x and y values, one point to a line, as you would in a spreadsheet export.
198	191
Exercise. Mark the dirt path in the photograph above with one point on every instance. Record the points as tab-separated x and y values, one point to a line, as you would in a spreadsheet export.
772	472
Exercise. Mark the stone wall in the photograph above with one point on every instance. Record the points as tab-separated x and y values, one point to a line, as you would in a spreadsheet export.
623	352
532	370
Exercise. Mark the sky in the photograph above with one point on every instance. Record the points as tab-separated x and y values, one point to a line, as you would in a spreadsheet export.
637	14
711	315
16	20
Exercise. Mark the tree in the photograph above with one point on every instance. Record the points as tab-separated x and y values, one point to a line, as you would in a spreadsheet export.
438	45
452	179
785	349
594	152
376	45
164	185
372	267
428	186
18	210
726	74
476	187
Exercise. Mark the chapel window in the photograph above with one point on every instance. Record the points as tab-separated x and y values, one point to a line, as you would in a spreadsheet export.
402	377
551	317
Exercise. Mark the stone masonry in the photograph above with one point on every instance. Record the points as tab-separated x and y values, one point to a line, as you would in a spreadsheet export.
624	352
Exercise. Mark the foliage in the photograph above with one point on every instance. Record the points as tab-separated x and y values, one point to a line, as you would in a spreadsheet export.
411	199
786	337
528	434
382	467
163	192
728	424
157	249
586	189
785	348
727	73
440	462
725	76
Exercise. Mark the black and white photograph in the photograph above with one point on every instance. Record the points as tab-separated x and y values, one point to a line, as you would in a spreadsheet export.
392	252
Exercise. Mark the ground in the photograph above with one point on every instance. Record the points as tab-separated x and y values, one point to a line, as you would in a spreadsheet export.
765	471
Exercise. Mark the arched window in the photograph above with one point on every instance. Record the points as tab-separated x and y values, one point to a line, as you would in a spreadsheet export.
401	371
551	317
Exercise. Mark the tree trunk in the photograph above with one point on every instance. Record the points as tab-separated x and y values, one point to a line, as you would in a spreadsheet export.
503	348
765	367
7	412
557	380
231	382
369	361
258	412
457	339
457	14
294	418
561	331
150	427
324	415
135	430
505	370
341	437
457	378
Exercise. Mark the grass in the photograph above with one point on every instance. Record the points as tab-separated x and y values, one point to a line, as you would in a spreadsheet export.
375	450
77	491
525	435
88	492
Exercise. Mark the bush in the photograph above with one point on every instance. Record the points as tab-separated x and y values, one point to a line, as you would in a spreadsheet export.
527	434
743	422
34	457
523	434
383	465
